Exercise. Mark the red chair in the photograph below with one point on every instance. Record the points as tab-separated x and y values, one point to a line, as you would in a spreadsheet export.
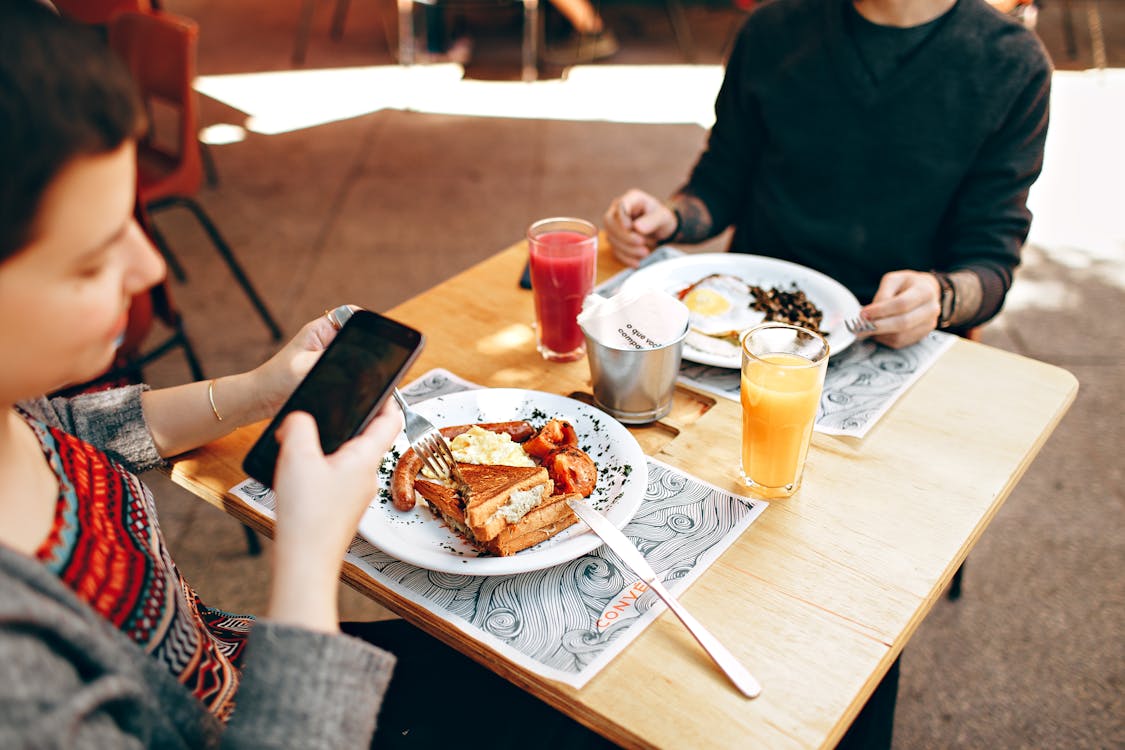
159	49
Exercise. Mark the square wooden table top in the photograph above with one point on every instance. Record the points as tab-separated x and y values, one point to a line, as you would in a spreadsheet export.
818	597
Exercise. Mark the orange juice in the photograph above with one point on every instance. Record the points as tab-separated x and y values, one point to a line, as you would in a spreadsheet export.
780	395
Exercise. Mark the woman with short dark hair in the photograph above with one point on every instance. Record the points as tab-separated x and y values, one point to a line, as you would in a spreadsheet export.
102	641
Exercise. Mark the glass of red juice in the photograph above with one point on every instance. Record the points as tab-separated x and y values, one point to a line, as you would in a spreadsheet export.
563	258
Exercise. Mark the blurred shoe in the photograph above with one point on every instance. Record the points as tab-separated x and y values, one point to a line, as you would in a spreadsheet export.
582	48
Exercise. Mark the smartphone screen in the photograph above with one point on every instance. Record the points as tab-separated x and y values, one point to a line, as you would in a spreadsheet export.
346	386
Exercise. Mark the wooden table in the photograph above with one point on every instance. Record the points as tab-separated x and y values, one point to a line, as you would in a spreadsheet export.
821	593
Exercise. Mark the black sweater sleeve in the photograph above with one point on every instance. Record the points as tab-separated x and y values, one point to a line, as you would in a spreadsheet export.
719	178
988	222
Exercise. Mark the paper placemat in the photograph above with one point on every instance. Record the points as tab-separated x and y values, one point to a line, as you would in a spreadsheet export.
860	386
567	622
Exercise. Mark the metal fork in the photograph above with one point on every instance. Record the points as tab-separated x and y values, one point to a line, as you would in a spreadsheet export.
426	441
859	324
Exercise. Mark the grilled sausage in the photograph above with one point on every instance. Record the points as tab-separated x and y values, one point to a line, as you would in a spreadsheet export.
402	480
518	431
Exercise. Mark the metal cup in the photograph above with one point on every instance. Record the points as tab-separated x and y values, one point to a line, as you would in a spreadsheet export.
634	385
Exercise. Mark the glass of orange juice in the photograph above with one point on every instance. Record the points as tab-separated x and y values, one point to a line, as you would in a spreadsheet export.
783	370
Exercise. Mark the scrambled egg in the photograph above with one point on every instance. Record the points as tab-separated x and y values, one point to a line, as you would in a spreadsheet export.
480	446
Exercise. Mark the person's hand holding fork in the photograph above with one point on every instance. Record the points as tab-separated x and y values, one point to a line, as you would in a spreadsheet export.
904	309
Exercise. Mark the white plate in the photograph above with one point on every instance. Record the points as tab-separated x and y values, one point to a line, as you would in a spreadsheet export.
418	538
833	298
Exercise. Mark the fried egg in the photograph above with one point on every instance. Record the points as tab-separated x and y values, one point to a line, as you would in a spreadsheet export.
721	305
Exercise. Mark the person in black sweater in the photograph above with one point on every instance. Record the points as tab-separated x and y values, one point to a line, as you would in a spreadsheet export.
890	144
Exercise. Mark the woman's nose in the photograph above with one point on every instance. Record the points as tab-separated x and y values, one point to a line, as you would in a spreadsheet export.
147	265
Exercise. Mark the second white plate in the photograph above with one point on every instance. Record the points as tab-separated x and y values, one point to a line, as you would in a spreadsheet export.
833	298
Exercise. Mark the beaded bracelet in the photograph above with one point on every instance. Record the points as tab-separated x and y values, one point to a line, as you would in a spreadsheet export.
948	289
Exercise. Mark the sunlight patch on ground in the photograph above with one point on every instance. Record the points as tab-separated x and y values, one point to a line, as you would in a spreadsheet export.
279	102
1033	294
222	134
1078	205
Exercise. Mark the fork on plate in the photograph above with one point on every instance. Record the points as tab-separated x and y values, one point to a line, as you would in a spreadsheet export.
859	324
426	440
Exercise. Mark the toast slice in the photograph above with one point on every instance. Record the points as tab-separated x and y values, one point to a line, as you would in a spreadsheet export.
444	501
500	509
495	497
540	524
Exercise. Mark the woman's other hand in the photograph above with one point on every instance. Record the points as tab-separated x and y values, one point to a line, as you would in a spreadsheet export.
905	308
275	379
320	500
635	223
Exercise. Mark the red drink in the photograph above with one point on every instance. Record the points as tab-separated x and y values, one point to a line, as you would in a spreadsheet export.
563	256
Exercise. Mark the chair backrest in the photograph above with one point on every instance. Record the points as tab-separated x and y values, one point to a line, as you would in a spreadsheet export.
159	49
98	12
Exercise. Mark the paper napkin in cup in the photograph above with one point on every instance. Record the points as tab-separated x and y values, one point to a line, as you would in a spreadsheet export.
639	319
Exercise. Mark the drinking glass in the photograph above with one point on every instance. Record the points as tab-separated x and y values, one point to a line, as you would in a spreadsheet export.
563	257
783	370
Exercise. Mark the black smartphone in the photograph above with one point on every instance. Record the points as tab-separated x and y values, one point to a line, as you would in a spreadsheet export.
346	386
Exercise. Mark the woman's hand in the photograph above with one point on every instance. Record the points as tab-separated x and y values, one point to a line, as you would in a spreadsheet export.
320	500
187	416
635	223
905	308
275	379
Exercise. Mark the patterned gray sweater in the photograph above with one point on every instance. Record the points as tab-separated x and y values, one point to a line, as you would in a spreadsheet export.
69	679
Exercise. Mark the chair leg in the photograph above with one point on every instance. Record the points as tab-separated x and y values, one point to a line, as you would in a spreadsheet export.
189	353
680	27
954	592
1097	35
225	251
530	40
338	19
1068	30
253	544
405	32
301	44
209	170
169	258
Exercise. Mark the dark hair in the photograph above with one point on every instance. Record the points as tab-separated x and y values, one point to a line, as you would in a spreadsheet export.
63	94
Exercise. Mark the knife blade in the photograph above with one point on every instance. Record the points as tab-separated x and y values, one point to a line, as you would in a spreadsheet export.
633	558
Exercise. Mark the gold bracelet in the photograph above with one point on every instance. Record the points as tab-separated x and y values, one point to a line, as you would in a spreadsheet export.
211	398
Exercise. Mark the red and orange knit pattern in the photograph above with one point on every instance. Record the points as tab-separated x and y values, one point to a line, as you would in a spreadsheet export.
105	544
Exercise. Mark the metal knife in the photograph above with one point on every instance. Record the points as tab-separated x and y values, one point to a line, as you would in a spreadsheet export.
633	558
